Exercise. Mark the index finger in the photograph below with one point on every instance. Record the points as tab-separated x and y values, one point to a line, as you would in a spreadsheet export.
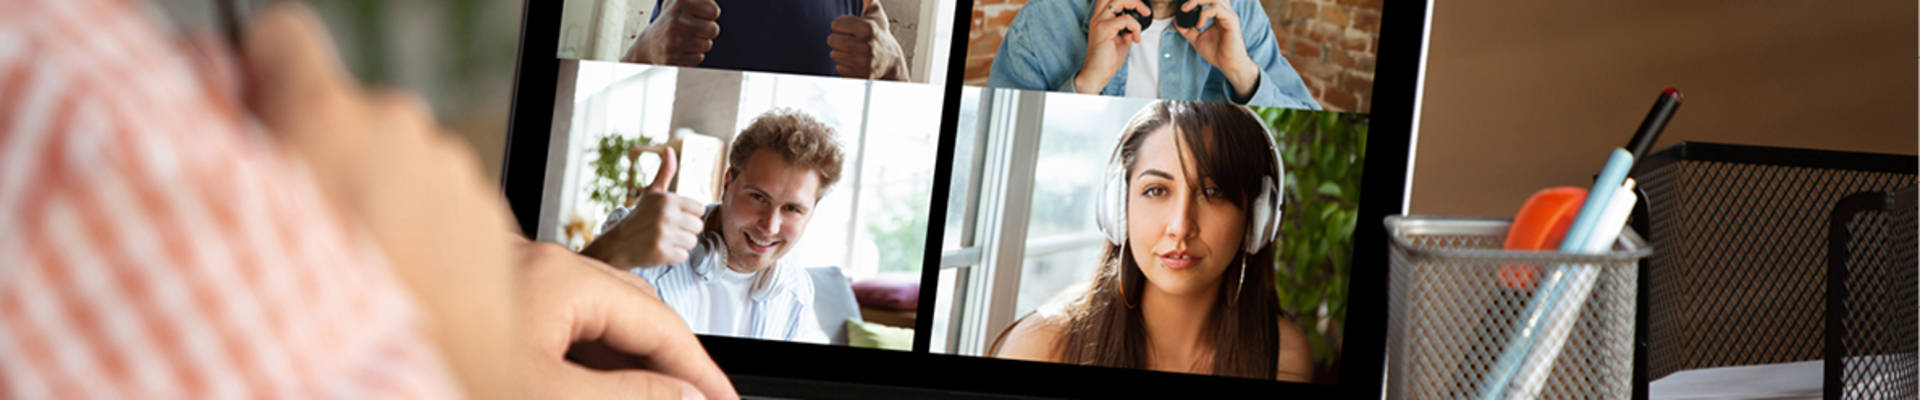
289	59
689	206
1135	5
702	9
657	334
851	25
1102	9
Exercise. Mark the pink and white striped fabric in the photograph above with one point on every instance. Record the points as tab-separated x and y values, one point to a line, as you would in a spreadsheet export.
151	246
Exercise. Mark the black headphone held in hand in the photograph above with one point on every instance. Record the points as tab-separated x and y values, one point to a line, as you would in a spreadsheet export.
1183	19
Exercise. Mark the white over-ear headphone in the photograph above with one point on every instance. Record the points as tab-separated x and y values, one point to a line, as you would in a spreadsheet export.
1110	212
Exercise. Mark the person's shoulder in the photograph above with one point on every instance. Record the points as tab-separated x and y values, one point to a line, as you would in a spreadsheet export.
1295	362
1035	337
1045	12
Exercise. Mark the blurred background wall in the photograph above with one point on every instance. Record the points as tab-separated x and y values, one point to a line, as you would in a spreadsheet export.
458	54
1520	95
1524	95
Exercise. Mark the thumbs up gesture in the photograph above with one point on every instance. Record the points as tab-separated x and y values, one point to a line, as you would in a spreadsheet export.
863	46
661	228
681	36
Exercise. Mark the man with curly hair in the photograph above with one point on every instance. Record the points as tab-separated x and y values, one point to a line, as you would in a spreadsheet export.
719	265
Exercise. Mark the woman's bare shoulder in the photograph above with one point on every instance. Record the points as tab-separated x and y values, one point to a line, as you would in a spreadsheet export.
1035	337
1295	363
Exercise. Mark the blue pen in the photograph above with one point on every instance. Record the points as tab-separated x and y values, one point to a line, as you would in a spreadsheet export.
1578	235
1549	297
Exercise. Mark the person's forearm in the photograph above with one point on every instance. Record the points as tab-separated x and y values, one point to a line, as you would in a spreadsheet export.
602	250
1082	86
1244	79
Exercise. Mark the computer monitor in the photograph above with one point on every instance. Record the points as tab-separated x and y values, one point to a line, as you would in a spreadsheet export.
935	197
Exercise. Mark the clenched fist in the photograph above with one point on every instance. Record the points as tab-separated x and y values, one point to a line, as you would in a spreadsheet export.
864	47
680	36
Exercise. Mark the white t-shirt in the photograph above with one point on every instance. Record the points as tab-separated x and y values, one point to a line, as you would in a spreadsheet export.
1143	61
727	310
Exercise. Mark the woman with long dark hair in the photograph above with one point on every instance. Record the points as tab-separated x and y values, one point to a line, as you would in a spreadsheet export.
1186	281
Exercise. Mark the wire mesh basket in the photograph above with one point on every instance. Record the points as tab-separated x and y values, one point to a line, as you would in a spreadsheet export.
1873	326
1452	314
1742	275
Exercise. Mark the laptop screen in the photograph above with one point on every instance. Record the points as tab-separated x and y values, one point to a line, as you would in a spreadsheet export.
1159	185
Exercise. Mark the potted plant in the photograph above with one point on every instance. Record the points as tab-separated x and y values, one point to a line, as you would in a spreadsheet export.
1323	153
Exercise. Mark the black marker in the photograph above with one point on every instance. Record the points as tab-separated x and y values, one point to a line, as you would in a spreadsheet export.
1655	122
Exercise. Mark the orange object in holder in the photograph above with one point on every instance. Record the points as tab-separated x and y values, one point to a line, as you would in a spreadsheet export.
1540	225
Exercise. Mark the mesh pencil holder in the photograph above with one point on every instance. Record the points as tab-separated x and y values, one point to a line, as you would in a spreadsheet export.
1742	277
1452	315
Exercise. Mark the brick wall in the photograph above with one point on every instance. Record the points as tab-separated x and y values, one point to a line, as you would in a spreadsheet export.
1330	42
987	27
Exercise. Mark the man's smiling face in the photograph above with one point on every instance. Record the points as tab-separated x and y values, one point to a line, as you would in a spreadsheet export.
766	207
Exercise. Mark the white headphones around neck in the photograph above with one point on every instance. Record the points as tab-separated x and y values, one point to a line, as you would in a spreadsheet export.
1110	212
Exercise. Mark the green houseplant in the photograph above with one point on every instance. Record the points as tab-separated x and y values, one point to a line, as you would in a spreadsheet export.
1323	153
613	168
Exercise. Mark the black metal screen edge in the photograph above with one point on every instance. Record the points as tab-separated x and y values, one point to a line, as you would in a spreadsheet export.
1382	193
530	114
942	183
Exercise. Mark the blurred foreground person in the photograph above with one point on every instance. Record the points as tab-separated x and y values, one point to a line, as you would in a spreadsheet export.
179	222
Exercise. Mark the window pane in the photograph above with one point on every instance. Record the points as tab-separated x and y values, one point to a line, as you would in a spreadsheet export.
1074	147
966	161
948	287
1043	276
903	124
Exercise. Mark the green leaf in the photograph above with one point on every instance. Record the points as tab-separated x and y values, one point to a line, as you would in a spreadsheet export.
1330	189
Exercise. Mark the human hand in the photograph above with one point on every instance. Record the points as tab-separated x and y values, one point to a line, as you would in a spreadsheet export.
864	47
680	36
567	300
661	229
386	169
1222	44
1106	45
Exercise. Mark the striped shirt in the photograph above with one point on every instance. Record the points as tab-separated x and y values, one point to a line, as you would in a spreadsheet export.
779	304
152	246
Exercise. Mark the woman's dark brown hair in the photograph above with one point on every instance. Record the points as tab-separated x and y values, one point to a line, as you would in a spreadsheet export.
1103	330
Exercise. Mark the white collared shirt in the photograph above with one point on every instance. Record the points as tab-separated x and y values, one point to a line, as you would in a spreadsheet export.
777	305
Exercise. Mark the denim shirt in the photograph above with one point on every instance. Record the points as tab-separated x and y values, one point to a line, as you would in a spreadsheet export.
1046	45
780	302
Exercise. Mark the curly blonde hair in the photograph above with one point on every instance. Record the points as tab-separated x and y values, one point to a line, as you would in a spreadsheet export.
796	137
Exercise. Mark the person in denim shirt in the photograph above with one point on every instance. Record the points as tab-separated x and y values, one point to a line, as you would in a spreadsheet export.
1231	56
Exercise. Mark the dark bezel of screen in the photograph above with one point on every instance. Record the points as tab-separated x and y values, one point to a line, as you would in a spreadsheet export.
1402	27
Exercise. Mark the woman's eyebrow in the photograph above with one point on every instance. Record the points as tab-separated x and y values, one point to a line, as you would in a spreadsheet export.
1155	172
